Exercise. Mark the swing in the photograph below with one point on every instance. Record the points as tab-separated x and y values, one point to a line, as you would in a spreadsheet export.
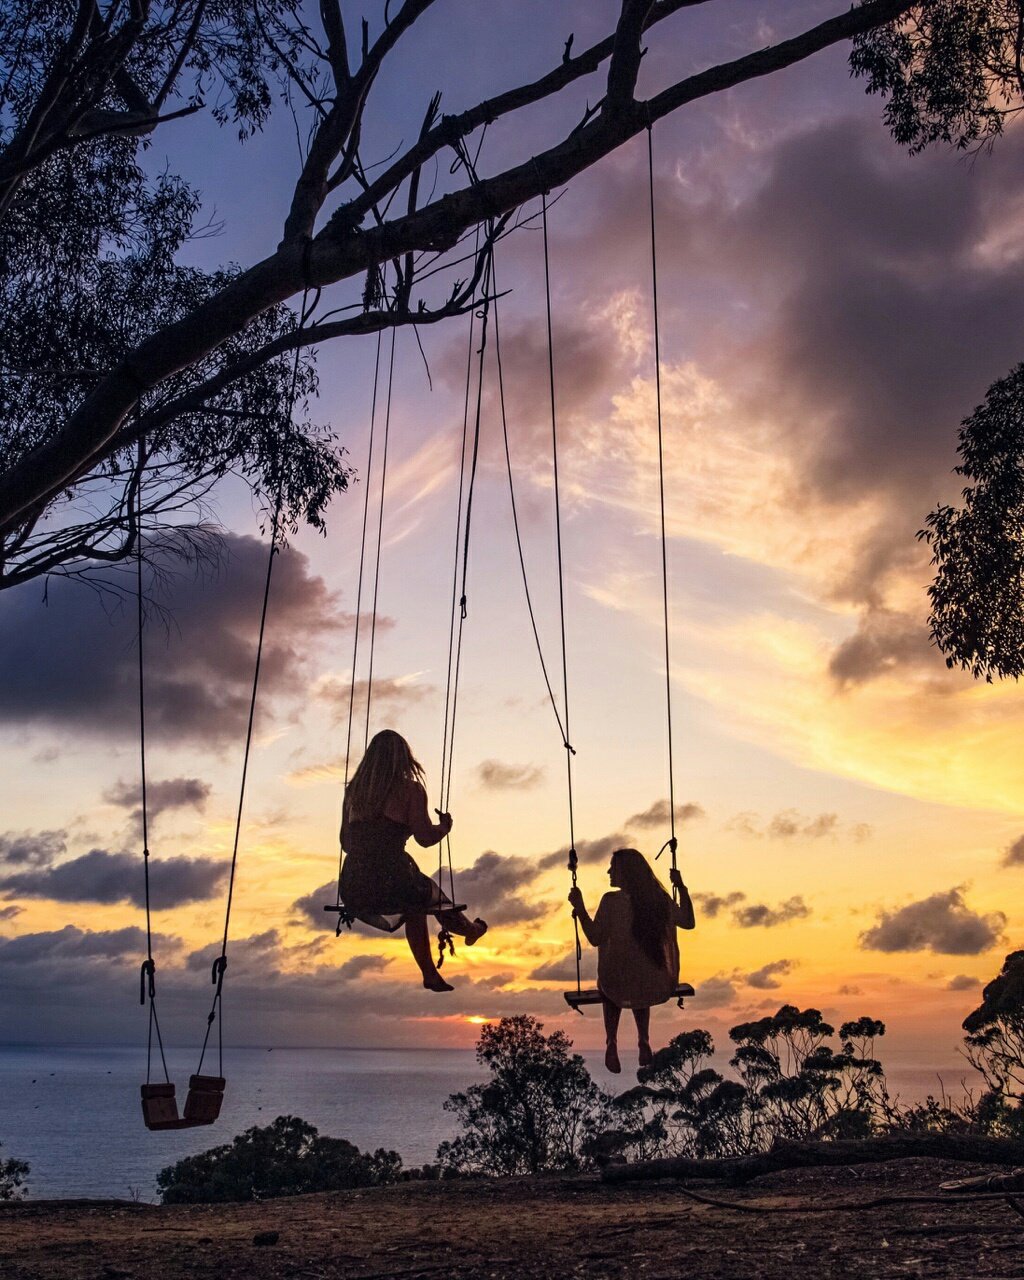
581	997
205	1092
383	922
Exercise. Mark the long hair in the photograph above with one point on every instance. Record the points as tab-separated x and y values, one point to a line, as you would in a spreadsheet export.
388	766
652	906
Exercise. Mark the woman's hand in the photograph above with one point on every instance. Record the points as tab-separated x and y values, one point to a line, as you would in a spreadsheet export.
576	898
444	820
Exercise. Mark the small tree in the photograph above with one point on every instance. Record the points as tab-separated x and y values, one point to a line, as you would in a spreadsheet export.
534	1114
12	1178
995	1047
286	1158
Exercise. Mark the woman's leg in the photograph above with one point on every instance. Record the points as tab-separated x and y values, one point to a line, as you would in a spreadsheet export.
457	922
642	1017
612	1013
418	937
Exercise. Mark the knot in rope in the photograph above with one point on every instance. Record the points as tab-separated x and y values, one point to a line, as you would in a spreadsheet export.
147	987
463	607
217	971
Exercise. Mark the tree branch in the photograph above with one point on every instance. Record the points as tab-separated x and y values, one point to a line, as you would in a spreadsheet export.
625	63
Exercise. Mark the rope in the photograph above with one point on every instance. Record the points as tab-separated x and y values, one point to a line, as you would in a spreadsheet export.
380	532
671	843
573	862
359	610
220	964
147	985
515	515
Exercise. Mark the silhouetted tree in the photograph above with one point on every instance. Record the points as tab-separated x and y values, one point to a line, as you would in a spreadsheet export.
286	1158
12	1178
192	358
536	1111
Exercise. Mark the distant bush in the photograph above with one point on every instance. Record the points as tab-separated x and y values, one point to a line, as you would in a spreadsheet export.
12	1179
286	1158
536	1113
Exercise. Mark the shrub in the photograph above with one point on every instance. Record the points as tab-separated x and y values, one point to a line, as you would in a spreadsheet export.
12	1179
288	1157
536	1112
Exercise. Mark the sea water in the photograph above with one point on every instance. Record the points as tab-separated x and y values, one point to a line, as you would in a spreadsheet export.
73	1113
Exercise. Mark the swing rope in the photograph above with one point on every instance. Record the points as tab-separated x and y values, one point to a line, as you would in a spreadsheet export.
148	977
573	862
380	534
359	611
220	964
672	844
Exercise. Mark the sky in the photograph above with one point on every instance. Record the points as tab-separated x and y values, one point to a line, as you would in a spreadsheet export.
849	810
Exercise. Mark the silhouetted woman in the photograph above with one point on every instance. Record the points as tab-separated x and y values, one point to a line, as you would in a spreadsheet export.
634	931
385	804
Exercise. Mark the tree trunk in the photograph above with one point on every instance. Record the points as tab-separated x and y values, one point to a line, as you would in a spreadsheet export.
797	1155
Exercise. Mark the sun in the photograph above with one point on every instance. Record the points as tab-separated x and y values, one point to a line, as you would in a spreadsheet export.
477	1019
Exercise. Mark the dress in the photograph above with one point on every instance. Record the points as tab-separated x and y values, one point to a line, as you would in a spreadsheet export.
626	975
378	877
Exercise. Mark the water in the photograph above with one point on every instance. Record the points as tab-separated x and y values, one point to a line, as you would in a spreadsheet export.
73	1113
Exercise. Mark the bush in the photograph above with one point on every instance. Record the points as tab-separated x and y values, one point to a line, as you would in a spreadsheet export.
12	1179
537	1111
286	1158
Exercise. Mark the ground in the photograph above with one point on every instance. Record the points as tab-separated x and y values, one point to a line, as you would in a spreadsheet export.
540	1227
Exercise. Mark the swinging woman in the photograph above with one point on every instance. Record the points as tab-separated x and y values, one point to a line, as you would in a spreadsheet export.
634	931
385	804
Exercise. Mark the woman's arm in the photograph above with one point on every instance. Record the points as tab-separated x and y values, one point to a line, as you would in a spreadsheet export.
591	928
683	909
425	832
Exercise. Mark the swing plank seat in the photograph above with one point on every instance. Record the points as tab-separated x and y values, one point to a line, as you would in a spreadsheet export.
383	922
591	995
202	1104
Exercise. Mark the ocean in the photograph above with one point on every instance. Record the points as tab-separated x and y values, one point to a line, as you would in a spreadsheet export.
73	1113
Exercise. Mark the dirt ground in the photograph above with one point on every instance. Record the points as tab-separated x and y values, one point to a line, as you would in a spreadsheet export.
542	1227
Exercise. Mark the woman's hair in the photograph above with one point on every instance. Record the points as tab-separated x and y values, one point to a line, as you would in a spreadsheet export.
388	766
652	906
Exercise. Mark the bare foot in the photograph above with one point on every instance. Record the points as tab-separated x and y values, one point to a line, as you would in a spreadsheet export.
437	983
646	1053
474	934
611	1059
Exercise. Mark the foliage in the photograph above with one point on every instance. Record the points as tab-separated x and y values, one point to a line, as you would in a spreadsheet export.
288	1157
978	593
995	1036
12	1178
536	1112
950	71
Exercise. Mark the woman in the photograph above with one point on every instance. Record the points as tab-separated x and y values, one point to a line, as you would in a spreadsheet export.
634	931
385	804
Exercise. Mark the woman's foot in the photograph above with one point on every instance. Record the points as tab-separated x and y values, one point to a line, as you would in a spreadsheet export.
434	982
475	932
646	1053
611	1059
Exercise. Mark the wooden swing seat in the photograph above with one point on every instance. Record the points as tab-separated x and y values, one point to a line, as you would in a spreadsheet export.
382	922
591	995
202	1104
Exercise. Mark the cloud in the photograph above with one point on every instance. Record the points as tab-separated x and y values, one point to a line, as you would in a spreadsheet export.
758	915
712	904
32	848
657	815
884	641
1013	855
963	982
496	980
357	966
766	978
789	824
72	944
716	991
161	796
564	968
942	923
71	663
103	877
493	888
588	851
390	694
497	776
8	913
847	990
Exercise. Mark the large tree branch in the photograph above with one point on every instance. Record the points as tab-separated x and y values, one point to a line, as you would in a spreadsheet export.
341	251
626	53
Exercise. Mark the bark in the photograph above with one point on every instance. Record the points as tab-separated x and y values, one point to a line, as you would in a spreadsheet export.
799	1155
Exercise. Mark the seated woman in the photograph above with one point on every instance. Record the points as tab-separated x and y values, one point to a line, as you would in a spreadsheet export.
385	804
634	931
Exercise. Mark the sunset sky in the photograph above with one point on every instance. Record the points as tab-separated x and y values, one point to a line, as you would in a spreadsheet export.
831	309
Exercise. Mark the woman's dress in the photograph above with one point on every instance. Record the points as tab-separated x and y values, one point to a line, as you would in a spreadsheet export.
378	877
626	974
